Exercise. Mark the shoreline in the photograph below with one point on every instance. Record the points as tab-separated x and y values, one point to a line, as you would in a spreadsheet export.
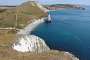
31	26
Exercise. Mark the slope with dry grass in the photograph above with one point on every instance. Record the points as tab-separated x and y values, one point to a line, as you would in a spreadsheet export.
21	15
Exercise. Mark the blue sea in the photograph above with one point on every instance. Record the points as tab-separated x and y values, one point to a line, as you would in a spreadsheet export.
68	31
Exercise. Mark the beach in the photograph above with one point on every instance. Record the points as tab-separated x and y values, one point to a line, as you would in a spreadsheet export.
31	26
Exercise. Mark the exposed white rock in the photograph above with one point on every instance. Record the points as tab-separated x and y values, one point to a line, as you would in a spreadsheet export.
30	43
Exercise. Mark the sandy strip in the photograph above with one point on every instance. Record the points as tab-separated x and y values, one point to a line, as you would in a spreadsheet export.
31	26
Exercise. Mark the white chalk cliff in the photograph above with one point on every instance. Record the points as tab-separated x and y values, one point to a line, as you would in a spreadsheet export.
30	43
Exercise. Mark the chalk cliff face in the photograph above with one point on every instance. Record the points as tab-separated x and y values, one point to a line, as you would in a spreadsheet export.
30	43
34	44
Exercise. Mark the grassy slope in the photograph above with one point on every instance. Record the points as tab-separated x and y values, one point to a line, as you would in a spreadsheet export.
25	13
7	18
7	37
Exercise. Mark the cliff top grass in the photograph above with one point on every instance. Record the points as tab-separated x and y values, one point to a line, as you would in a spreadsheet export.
7	37
9	54
21	15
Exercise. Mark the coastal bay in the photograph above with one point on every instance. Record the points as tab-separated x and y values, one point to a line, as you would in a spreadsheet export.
69	31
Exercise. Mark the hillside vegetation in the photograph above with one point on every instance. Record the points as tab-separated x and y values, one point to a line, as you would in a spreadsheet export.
21	15
5	54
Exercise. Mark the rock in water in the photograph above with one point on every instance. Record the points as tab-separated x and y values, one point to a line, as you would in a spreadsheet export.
30	43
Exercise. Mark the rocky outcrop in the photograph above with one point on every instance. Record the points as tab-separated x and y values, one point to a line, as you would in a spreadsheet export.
30	43
70	56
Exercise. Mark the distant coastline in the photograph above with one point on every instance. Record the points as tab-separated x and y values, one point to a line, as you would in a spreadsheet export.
64	6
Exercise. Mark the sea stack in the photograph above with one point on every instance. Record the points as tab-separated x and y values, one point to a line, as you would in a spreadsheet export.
48	19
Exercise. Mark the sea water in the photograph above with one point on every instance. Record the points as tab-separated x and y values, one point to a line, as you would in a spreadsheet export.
68	31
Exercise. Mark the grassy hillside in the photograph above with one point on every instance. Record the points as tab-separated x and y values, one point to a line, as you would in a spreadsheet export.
27	12
7	37
23	13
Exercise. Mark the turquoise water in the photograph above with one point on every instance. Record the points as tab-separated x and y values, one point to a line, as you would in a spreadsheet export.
69	31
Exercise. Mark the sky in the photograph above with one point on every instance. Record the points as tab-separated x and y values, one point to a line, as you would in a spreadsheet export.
16	2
